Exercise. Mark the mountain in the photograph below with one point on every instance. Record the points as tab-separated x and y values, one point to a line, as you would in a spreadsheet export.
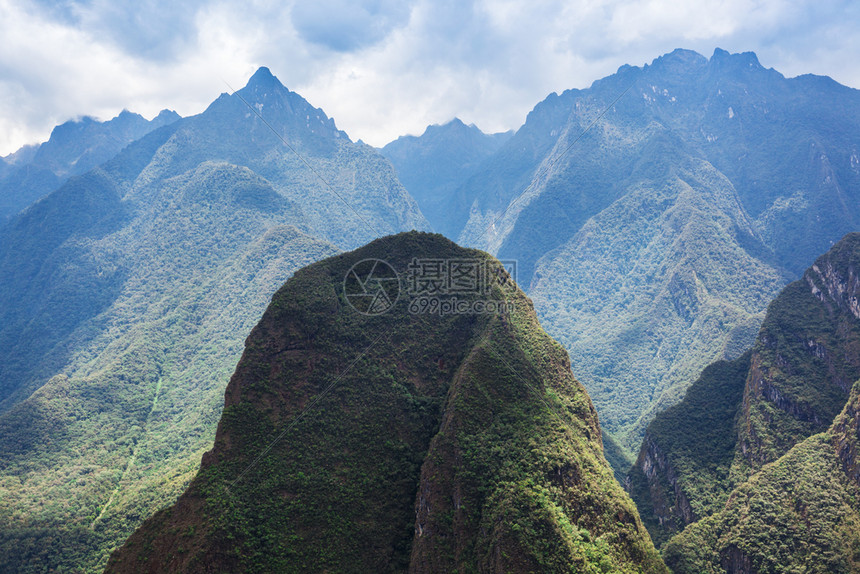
404	439
800	513
683	472
74	148
432	166
755	434
125	297
655	214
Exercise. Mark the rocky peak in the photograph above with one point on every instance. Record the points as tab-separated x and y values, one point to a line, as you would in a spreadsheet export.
283	109
165	117
744	60
263	78
679	61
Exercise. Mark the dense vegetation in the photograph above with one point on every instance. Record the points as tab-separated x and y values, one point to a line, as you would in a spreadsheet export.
359	443
126	295
683	469
651	247
798	514
652	244
807	355
750	467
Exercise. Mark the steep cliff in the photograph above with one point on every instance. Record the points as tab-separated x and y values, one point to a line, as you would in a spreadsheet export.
404	440
806	357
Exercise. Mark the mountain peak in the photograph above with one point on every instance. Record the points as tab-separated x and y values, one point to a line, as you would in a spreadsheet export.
454	125
744	59
165	117
399	467
682	55
287	110
680	61
263	77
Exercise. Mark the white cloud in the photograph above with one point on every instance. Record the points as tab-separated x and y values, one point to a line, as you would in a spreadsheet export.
380	67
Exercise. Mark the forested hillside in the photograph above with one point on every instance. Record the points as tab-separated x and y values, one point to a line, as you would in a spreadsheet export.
125	297
769	439
395	441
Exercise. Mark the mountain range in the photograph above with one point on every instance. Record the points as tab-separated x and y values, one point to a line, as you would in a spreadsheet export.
126	294
74	148
652	219
655	214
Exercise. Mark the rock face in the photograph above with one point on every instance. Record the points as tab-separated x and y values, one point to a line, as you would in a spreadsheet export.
846	436
806	358
404	441
783	491
799	513
660	473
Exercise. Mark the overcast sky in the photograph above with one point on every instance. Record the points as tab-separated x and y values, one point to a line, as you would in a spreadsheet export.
381	68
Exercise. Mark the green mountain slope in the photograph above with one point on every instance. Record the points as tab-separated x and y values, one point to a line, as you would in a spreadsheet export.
800	513
806	357
74	148
629	236
708	456
642	295
433	165
683	470
403	440
125	297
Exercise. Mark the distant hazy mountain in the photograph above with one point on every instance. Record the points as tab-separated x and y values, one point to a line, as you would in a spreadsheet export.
652	243
704	466
126	295
74	147
457	443
432	166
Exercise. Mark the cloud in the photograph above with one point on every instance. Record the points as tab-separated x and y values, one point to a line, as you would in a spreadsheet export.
150	29
382	68
491	62
348	25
